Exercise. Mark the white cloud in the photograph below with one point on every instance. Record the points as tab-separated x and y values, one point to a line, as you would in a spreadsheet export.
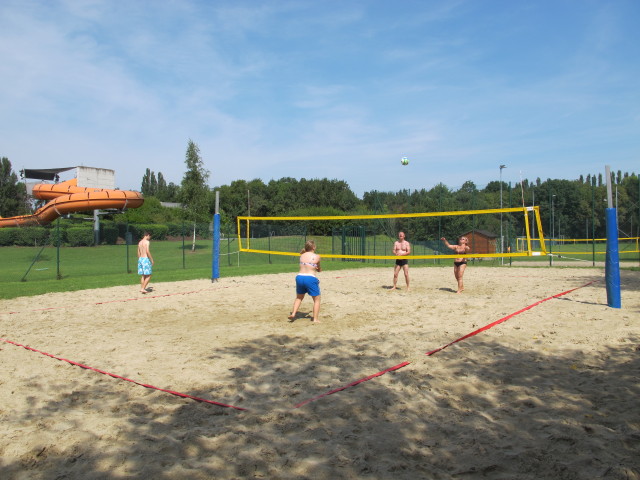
315	89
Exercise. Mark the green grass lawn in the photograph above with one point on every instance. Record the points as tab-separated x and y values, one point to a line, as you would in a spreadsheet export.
28	271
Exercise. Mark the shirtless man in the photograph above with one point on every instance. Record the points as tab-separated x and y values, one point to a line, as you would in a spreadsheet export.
145	262
401	248
306	280
459	264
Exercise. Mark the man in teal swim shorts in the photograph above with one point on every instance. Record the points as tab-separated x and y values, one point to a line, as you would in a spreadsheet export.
145	262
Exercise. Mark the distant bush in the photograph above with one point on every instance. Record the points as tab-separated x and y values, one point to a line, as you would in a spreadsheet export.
186	229
109	234
177	229
158	232
80	236
24	236
7	237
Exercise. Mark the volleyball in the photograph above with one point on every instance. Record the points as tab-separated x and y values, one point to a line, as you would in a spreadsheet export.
404	161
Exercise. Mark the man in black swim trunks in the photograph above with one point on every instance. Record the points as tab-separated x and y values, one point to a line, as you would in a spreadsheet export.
401	248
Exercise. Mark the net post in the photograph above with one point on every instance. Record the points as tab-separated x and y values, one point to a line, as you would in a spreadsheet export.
612	264
215	262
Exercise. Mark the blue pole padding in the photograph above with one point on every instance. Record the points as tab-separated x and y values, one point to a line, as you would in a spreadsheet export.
215	263
612	264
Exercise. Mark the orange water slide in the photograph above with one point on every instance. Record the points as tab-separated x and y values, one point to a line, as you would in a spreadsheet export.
67	197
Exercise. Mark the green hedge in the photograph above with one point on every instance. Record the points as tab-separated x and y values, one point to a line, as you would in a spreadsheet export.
202	230
80	236
177	229
74	234
7	237
158	232
109	234
25	236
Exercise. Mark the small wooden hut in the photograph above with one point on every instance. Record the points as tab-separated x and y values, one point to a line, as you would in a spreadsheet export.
481	241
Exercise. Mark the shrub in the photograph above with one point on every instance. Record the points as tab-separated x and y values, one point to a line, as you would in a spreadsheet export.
158	232
80	236
30	236
109	234
177	229
7	236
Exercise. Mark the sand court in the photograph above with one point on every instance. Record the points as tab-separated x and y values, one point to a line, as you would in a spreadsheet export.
550	393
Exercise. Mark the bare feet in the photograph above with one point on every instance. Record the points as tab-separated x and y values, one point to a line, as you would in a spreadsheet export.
460	291
315	321
292	316
143	291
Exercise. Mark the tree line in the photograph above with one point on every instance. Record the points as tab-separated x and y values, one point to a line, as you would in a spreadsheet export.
569	208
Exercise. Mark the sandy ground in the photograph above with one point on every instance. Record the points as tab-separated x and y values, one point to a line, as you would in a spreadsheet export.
552	392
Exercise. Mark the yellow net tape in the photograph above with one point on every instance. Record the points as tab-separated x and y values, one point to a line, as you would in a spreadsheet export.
528	252
583	246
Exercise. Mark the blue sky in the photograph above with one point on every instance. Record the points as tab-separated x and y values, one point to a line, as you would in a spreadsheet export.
315	89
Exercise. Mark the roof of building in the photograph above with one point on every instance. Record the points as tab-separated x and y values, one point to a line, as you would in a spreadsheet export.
484	233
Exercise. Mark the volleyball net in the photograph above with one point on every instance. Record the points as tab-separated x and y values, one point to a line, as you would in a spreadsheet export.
581	246
490	233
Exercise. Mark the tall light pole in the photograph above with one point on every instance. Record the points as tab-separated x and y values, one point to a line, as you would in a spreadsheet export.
501	243
553	216
533	203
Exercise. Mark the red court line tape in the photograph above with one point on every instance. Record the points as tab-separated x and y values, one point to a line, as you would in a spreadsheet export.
352	384
178	394
336	390
504	319
404	364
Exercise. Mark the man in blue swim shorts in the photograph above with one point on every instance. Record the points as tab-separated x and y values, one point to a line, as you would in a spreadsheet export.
145	262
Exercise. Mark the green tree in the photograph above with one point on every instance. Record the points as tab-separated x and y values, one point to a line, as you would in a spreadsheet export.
194	192
257	197
151	211
145	185
283	195
161	188
13	197
171	193
153	185
233	199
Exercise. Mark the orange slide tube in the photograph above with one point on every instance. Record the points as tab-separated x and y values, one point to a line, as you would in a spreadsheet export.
67	197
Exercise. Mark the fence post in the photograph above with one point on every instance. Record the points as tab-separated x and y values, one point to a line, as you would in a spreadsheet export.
127	241
58	274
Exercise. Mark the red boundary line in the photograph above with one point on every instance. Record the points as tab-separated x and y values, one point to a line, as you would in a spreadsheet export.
404	364
331	392
504	319
353	384
178	394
